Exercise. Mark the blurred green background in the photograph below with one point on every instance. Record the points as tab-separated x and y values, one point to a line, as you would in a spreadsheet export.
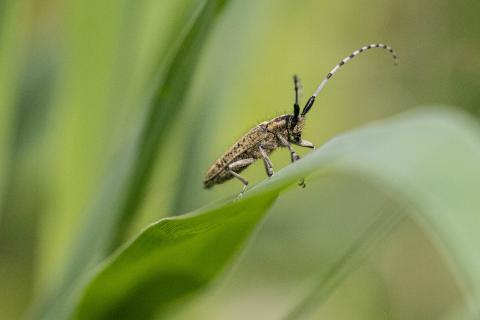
74	80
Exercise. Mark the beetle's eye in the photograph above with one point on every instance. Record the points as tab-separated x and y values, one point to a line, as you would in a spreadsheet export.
293	123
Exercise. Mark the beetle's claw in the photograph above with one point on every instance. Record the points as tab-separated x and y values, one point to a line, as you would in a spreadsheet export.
302	183
238	197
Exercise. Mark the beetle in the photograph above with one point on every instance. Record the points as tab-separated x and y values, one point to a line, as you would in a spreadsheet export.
282	131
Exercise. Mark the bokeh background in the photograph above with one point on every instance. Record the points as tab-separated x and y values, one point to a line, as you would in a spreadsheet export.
74	76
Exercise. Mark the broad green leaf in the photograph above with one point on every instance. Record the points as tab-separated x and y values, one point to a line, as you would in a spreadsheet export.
427	159
173	258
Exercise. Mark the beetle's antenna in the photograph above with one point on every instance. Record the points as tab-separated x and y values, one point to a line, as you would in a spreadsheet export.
296	106
310	101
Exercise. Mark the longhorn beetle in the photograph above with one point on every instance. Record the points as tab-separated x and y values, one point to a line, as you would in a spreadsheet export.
282	131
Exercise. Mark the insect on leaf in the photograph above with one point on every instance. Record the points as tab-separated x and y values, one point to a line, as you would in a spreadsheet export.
178	256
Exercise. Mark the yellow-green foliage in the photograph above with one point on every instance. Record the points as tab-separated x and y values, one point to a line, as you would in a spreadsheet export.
111	112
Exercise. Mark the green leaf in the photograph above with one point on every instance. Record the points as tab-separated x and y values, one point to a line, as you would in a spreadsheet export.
427	159
170	259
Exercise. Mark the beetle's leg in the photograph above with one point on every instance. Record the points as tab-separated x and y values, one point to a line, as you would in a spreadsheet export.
240	164
243	180
266	160
305	143
293	155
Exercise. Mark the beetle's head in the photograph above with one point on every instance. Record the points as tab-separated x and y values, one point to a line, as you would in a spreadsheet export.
297	121
295	128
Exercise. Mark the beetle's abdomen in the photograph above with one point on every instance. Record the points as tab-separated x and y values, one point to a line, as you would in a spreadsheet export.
220	177
215	173
219	172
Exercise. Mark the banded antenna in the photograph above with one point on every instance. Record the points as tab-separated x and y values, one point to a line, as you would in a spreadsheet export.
310	101
296	106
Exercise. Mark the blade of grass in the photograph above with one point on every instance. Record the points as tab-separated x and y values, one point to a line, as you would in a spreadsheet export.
127	179
415	158
13	38
166	104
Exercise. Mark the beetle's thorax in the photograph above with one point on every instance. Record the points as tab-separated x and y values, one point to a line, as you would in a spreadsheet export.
278	124
288	125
